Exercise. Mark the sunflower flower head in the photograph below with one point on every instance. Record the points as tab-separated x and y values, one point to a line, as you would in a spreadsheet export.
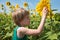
25	4
8	3
41	4
17	6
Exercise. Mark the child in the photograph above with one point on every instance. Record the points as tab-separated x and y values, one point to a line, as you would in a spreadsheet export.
21	19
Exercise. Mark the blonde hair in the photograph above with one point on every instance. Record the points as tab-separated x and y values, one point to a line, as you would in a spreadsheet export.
19	15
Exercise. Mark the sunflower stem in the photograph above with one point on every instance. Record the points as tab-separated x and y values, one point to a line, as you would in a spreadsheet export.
51	20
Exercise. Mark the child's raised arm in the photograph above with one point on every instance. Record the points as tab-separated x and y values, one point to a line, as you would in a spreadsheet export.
37	31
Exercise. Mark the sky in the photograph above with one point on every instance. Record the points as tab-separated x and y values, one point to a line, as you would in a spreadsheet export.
55	4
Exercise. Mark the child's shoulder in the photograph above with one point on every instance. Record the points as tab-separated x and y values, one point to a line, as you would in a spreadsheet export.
20	28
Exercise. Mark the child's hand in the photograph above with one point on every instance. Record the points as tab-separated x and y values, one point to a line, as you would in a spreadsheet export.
44	11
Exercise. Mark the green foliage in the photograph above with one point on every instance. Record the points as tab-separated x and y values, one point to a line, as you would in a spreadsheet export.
51	29
6	26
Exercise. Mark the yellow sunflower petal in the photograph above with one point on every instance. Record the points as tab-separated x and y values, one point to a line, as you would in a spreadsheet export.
41	4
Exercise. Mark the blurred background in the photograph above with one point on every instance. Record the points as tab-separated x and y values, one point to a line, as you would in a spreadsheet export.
52	25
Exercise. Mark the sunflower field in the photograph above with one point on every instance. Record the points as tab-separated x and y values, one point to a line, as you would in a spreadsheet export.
51	30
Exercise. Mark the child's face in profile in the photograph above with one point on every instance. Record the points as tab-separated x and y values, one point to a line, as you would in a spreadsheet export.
26	20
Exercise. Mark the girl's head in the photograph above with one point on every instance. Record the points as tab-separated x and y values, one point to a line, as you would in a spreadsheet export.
21	17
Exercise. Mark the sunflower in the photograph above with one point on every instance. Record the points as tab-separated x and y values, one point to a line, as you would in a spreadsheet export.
41	4
25	4
13	7
8	3
17	6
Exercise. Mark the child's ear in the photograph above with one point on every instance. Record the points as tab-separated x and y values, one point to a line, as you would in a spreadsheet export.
13	13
